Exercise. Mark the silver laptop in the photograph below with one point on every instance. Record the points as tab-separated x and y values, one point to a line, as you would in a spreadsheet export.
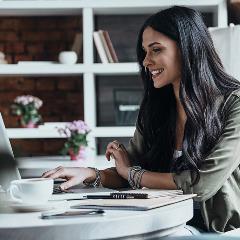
10	172
8	165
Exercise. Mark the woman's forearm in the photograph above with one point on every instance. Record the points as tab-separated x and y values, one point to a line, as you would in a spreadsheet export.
158	180
111	179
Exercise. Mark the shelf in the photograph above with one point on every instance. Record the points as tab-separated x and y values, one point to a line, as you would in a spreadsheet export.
27	133
113	131
41	69
64	69
115	68
47	130
44	8
52	132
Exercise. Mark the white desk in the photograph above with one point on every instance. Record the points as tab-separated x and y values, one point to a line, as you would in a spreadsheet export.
115	224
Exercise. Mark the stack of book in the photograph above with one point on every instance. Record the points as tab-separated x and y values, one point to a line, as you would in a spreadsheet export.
105	47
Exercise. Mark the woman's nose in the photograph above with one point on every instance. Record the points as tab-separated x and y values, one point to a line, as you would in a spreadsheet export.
147	61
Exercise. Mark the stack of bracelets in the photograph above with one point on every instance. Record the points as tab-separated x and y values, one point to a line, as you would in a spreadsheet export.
134	176
97	183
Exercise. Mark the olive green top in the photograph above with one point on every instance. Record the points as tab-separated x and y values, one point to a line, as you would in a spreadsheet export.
218	189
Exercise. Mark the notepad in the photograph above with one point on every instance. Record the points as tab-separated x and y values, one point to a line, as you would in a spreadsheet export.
132	204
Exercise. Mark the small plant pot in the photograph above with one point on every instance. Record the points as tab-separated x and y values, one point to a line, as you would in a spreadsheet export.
77	156
30	125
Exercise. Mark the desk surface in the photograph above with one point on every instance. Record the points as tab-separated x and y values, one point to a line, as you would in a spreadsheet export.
114	224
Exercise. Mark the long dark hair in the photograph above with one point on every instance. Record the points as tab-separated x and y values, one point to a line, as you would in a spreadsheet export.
204	87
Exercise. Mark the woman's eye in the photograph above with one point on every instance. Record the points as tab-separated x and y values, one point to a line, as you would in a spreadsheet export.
156	50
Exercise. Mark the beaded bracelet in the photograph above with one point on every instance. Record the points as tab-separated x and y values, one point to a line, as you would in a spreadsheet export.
134	176
97	182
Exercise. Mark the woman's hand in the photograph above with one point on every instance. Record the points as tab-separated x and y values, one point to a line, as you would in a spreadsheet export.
119	153
74	176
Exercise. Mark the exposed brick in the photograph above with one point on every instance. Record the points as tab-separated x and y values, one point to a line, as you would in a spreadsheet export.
22	57
53	146
47	23
9	23
27	23
35	48
45	84
8	36
70	23
66	84
17	47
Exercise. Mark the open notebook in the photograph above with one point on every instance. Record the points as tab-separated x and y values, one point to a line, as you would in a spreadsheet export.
157	198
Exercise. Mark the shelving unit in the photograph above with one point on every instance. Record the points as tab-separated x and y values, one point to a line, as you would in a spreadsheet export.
89	69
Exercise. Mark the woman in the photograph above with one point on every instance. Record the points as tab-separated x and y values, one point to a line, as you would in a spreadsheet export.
188	129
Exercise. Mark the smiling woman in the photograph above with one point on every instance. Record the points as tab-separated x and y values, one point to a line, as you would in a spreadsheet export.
188	128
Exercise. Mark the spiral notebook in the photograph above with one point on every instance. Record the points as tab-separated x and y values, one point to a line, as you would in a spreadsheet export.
158	198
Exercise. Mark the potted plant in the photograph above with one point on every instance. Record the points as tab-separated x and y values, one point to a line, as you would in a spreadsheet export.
26	107
76	133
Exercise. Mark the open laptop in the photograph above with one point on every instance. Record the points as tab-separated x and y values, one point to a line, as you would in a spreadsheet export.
10	172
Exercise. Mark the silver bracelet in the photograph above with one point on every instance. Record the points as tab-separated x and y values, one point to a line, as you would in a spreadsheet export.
134	176
97	182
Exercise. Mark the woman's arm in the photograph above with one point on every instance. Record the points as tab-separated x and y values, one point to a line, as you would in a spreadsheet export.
158	180
111	179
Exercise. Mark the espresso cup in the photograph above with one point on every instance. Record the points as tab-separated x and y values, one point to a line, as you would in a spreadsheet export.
32	190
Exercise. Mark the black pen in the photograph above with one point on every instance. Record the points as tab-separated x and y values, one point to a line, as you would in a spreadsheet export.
109	197
119	195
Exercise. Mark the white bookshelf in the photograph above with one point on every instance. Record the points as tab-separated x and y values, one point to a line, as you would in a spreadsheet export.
89	70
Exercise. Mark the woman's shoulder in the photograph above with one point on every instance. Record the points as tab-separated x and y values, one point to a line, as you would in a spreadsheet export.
236	93
232	100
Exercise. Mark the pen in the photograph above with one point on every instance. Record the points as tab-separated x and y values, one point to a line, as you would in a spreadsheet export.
119	196
108	197
70	214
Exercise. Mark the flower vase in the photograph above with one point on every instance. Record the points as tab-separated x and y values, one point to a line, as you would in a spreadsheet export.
30	125
80	155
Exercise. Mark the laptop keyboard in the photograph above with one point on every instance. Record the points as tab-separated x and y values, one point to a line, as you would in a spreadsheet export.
58	190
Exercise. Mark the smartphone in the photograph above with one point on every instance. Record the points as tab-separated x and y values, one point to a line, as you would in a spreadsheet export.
71	214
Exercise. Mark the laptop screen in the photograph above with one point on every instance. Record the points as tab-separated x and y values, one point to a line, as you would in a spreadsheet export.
8	165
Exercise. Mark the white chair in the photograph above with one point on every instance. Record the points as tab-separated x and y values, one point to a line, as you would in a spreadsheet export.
227	44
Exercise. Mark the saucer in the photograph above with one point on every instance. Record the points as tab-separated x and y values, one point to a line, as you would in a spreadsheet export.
33	207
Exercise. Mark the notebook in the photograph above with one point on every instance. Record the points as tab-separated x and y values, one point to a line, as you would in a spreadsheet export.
159	200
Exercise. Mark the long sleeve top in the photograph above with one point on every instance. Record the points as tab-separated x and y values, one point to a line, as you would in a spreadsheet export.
218	190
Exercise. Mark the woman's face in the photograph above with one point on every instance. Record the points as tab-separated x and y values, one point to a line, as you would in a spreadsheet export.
163	58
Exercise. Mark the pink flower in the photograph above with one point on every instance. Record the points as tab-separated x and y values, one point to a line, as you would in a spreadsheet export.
26	99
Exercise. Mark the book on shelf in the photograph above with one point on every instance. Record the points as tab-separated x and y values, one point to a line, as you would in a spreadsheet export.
110	46
105	47
100	49
77	43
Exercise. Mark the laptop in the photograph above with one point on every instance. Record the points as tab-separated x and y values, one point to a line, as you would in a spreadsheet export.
10	172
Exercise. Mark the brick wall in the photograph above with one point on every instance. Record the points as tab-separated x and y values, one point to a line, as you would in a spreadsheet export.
40	38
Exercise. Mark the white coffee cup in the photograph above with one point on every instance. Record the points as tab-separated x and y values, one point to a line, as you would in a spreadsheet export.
67	57
32	190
